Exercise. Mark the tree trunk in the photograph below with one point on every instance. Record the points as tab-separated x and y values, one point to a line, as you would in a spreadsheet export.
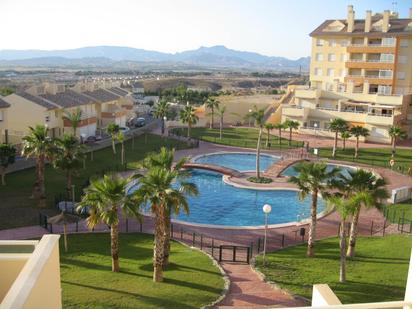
35	188
211	120
221	127
258	154
159	244
290	136
267	138
163	126
280	136
344	144
122	154
65	237
69	184
167	221
353	234
188	130
42	188
357	147
114	238
335	144
3	175
312	227
342	245
113	146
393	146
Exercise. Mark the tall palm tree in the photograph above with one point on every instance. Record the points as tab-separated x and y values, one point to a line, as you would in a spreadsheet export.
291	125
188	115
258	116
221	113
113	130
268	127
280	127
104	199
37	144
358	131
74	118
159	189
373	190
212	104
337	125
7	157
313	178
345	135
69	157
396	133
161	110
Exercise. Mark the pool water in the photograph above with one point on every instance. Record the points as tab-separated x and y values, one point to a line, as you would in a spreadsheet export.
290	171
221	204
238	161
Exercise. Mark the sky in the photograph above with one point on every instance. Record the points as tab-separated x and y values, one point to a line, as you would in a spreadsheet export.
269	27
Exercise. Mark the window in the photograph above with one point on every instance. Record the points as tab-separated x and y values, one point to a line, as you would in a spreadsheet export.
402	59
384	89
385	73
344	43
401	75
388	41
319	42
47	118
332	43
331	57
319	57
318	72
314	124
403	43
343	57
386	58
326	125
331	72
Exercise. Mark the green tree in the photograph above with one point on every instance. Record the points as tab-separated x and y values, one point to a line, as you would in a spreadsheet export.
113	130
291	125
212	104
258	115
358	131
7	157
280	127
69	157
104	199
74	118
161	111
313	179
37	144
396	133
221	113
345	135
337	125
268	127
159	188
188	115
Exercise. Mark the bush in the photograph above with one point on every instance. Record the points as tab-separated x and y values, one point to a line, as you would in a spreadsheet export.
260	180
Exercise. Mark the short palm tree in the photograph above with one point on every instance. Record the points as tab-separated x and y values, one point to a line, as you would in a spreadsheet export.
159	189
7	157
113	130
268	127
212	104
69	157
280	127
396	133
258	116
221	113
345	135
188	115
358	131
74	118
313	178
37	144
337	125
161	110
291	125
105	199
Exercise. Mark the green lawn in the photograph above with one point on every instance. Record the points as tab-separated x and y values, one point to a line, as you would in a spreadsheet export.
396	211
191	279
239	137
373	156
18	210
377	273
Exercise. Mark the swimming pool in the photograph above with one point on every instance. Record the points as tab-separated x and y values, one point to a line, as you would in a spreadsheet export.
290	171
237	160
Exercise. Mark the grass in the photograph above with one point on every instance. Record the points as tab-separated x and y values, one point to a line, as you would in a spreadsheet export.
401	210
18	210
191	279
377	273
238	137
374	156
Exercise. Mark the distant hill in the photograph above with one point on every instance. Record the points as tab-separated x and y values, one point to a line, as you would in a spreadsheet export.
103	56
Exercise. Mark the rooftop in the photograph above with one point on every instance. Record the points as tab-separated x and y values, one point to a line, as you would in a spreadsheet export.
38	100
102	95
4	104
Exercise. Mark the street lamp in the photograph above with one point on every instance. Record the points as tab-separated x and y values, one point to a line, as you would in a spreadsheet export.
266	209
249	116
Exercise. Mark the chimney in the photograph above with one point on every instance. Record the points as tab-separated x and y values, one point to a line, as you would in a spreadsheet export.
351	18
368	21
385	21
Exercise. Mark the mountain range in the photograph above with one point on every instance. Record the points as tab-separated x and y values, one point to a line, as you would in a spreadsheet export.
114	56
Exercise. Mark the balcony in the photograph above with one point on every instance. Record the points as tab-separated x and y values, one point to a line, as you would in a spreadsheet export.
380	119
371	79
370	64
307	93
294	111
371	48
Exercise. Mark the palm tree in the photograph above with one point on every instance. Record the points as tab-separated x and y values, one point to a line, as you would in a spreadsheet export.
221	113
212	104
345	135
396	133
373	191
37	144
120	138
74	118
188	115
7	157
113	130
291	125
337	125
69	157
158	189
160	111
358	131
258	116
313	178
268	127
104	199
280	127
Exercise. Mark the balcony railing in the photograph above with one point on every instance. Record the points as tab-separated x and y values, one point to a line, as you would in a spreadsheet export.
369	76
371	60
372	45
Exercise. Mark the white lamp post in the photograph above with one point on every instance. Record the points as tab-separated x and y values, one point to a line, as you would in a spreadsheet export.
266	209
249	116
